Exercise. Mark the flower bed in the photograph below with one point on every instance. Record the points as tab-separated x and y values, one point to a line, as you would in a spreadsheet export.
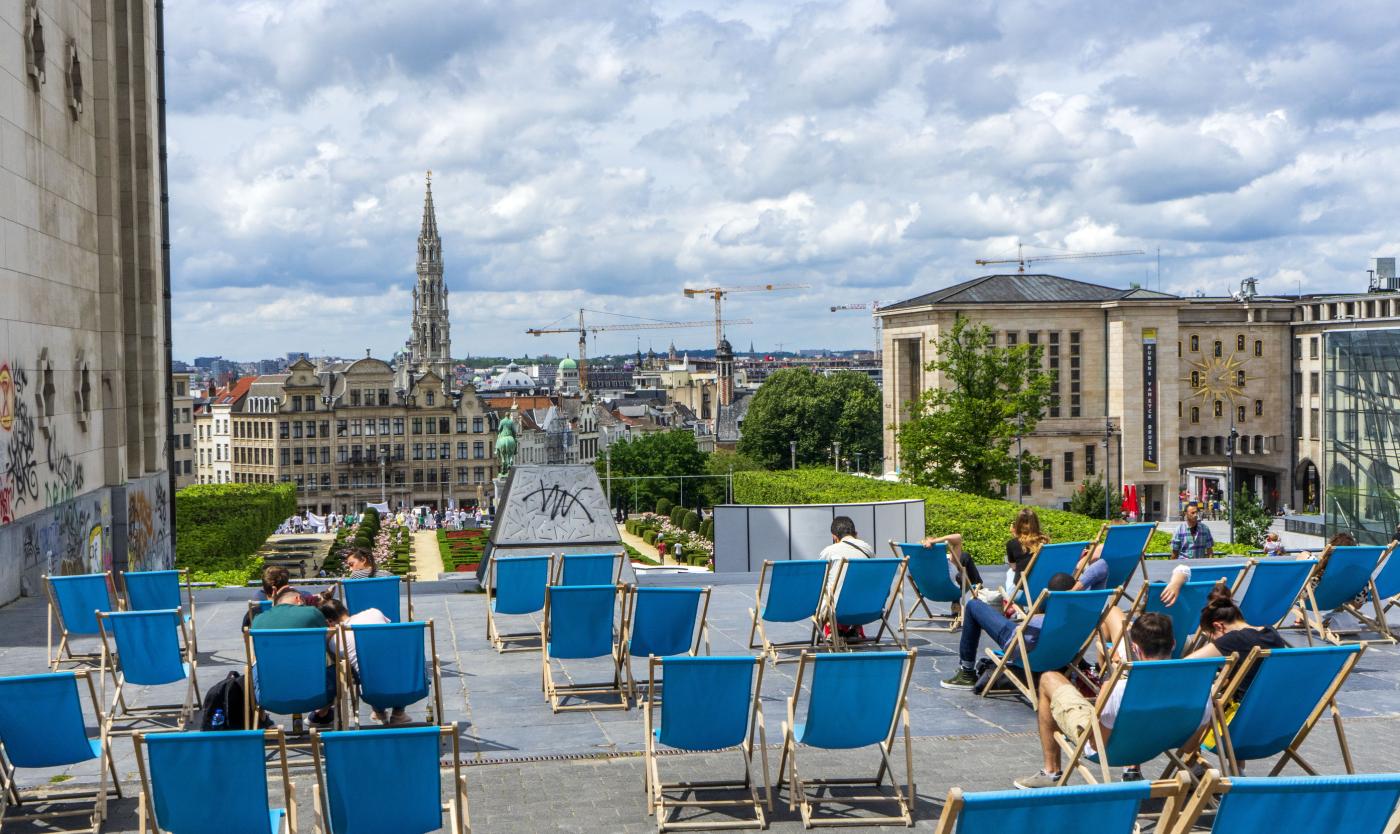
461	549
696	549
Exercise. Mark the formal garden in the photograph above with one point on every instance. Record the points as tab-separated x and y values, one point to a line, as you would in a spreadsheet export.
461	549
672	525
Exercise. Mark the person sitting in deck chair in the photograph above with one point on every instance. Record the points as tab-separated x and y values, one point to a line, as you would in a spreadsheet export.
1223	623
1062	706
1000	625
956	555
844	545
336	613
289	610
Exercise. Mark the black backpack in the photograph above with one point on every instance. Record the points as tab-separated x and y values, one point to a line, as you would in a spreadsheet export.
226	695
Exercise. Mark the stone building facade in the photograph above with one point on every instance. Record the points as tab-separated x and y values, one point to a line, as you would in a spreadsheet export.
84	442
182	418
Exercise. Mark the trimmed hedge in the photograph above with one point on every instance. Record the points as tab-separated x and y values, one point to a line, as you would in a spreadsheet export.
664	506
691	522
983	522
219	527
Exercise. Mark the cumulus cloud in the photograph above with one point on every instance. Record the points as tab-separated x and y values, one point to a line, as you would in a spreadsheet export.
608	154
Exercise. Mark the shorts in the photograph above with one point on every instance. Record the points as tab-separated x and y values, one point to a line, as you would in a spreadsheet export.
1072	712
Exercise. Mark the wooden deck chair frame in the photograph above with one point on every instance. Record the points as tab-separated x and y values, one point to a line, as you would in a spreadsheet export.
1102	538
252	710
1076	750
1023	588
64	652
1327	701
1315	620
1139	607
185	582
832	595
556	566
1027	687
458	810
352	684
1173	792
504	642
119	709
800	799
766	646
145	803
629	610
953	620
1296	605
1375	619
555	693
1208	793
660	805
12	798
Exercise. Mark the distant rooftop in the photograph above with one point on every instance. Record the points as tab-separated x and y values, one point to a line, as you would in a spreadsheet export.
1024	289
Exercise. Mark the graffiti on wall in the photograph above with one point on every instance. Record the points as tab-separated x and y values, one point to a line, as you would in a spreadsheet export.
148	525
19	476
73	538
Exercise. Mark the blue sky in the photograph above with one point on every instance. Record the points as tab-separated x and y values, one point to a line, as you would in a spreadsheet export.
607	154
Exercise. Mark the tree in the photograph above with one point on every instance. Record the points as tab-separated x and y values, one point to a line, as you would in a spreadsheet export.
1251	520
666	453
721	463
1088	500
959	435
816	411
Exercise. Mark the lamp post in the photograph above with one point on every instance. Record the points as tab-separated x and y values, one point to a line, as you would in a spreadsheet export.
1107	468
1230	444
836	456
858	469
1020	461
792	453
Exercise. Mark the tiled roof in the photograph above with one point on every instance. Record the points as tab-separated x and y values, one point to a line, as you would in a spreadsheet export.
235	392
1024	289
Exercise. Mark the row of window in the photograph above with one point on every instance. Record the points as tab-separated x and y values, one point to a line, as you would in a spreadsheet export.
1240	411
371	427
1047	470
370	480
1220	445
298	455
1218	348
1052	358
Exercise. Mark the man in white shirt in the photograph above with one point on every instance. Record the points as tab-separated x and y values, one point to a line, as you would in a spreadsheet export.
844	545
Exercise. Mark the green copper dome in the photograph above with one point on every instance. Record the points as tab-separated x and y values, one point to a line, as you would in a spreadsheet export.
568	364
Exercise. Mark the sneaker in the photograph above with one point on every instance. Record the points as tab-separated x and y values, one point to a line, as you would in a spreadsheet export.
1040	780
1132	774
399	718
964	680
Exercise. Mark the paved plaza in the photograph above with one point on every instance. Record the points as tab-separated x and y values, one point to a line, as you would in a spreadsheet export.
530	770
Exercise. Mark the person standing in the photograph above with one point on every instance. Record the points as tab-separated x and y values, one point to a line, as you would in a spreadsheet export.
1192	539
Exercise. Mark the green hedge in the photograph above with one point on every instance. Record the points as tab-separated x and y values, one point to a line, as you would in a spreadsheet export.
663	506
691	522
219	527
983	522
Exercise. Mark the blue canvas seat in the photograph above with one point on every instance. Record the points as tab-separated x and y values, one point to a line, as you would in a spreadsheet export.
1048	561
1290	692
1185	612
515	586
588	569
580	623
42	725
381	592
290	673
73	605
1231	575
1273	591
1363	804
160	590
927	567
1123	549
795	590
1071	621
407	782
1103	809
396	666
1387	584
852	701
866	591
661	622
711	703
1159	714
212	783
143	648
1346	577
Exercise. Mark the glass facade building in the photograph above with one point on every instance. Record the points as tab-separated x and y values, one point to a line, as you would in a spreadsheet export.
1361	442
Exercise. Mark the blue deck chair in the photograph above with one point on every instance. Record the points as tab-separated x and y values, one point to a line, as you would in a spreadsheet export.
1273	591
42	725
711	703
1387	582
73	605
579	624
1185	613
1346	575
396	666
1232	575
795	592
159	590
1050	560
853	701
289	673
211	783
588	569
1071	621
515	586
1289	694
405	764
1104	809
866	591
381	592
928	568
145	650
1361	804
1161	712
1123	547
663	621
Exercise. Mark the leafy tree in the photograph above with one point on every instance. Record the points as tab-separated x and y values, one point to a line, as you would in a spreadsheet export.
720	463
816	411
1089	497
668	453
1251	520
959	435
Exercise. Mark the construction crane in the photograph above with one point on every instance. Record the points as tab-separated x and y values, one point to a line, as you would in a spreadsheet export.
872	307
1021	260
718	294
583	329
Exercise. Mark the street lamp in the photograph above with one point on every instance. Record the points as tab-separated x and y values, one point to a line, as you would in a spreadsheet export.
1020	460
1107	468
1230	444
858	469
836	456
792	453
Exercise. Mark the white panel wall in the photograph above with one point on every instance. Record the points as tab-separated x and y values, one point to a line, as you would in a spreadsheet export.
746	536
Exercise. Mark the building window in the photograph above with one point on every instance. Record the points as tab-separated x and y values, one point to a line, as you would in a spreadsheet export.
355	427
1312	347
417	425
1011	337
417	451
445	451
479	474
432	451
462	453
463	475
1047	474
1219	408
444	425
1089	451
326	457
1239	414
1218	347
1239	378
369	427
383	396
476	425
1258	347
479	450
1313	430
1069	467
343	480
1239	342
1195	414
431	425
1315	383
1195	379
398	425
1258	408
1190	446
286	457
461	425
1054	368
325	428
284	430
297	456
1195	344
354	396
1074	398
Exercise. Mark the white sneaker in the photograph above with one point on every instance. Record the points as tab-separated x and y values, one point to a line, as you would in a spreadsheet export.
990	596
